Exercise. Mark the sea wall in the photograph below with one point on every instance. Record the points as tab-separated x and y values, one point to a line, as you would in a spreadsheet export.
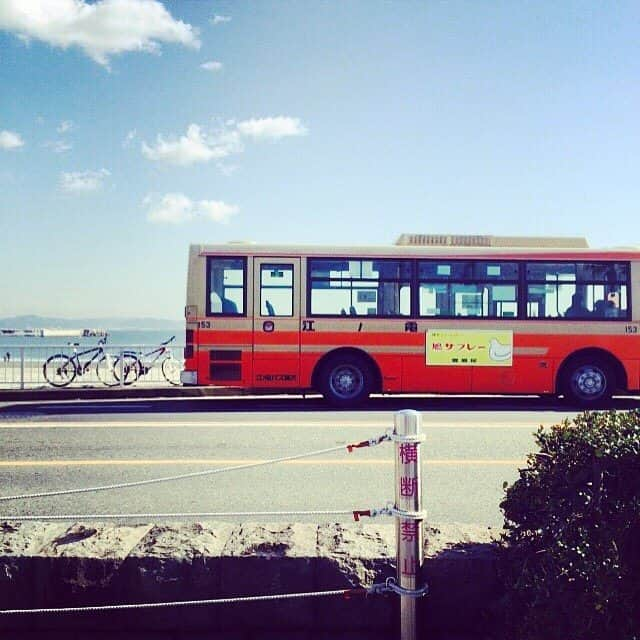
45	565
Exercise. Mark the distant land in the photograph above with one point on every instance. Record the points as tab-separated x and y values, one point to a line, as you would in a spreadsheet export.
38	322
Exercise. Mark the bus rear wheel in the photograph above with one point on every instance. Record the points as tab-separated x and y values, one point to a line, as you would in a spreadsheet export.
346	381
588	383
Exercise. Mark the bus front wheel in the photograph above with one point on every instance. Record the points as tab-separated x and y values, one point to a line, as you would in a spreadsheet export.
346	381
588	382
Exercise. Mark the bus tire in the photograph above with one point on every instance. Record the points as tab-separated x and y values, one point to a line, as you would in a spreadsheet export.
346	380
588	382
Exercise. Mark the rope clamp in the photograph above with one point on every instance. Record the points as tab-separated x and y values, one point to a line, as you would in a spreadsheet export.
372	442
408	439
391	586
408	515
389	510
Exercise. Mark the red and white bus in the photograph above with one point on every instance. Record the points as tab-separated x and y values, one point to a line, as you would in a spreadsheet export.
431	314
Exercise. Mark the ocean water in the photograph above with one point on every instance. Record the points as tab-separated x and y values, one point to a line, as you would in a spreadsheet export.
135	339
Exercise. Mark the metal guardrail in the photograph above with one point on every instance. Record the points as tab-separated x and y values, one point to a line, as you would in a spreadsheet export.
22	367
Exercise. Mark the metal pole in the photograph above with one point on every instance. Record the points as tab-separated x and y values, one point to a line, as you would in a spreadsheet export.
409	531
21	367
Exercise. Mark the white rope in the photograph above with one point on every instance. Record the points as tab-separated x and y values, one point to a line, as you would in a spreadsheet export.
145	516
195	474
186	603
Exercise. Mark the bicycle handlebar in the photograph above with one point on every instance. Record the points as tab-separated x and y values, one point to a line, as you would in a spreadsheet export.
171	339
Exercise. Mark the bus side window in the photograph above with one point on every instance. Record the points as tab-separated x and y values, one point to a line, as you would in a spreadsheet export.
226	285
276	290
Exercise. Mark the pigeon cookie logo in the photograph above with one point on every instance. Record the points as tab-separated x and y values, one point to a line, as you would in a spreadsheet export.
470	348
499	352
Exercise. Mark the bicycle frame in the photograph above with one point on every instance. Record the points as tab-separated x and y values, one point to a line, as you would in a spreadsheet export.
83	367
149	359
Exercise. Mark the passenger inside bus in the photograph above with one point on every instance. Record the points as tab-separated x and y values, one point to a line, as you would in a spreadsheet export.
599	308
578	308
605	309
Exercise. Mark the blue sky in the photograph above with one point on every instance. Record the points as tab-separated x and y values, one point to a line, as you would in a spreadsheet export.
310	122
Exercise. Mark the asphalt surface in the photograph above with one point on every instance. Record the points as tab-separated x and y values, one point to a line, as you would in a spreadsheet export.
473	446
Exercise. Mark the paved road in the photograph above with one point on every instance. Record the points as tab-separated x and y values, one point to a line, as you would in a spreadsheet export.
468	455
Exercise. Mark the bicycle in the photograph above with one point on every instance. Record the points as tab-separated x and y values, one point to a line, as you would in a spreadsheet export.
141	363
61	369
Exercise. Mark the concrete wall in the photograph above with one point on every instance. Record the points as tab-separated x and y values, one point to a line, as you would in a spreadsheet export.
46	565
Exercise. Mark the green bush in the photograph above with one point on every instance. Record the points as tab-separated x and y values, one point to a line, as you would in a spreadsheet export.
571	551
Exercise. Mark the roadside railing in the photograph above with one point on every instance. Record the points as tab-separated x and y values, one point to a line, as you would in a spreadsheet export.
73	365
407	510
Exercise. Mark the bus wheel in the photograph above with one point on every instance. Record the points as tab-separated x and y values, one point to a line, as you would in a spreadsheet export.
588	382
346	381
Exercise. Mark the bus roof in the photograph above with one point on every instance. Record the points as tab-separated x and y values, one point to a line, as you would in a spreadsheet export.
540	252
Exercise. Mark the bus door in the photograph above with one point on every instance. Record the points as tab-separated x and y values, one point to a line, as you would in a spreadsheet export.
276	322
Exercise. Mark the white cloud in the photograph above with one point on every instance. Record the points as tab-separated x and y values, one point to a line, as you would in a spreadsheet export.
220	19
10	140
193	147
83	181
59	146
65	126
213	65
272	128
216	210
198	146
101	29
176	208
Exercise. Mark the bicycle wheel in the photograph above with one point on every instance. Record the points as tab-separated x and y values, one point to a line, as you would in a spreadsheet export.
106	371
171	369
130	366
59	370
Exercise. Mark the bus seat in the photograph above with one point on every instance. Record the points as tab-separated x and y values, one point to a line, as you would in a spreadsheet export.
270	309
343	312
229	306
352	311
